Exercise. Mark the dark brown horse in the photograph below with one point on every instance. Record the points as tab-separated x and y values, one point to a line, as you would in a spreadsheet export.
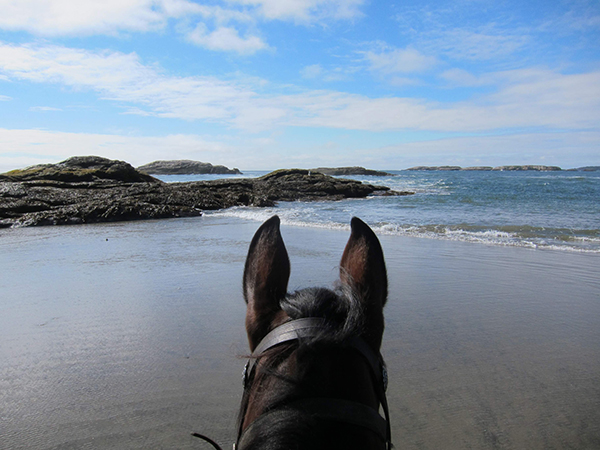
316	379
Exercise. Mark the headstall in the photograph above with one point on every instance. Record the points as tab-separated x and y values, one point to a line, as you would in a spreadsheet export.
331	409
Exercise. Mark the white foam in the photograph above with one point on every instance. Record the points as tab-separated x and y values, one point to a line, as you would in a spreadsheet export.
305	215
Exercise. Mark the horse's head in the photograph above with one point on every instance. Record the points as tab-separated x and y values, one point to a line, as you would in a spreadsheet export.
315	379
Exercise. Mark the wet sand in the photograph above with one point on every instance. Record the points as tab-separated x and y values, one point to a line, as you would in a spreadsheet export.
130	336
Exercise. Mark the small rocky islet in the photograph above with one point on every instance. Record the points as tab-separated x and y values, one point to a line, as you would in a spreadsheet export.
520	168
354	170
186	167
91	189
537	168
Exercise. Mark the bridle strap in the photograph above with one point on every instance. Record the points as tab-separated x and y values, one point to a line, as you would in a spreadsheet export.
329	408
289	331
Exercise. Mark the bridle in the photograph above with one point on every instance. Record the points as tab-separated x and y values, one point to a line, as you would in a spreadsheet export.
330	409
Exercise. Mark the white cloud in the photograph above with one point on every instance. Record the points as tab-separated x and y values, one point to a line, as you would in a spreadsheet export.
30	146
91	17
480	46
524	98
474	45
213	26
5	98
226	39
462	78
87	17
398	60
27	147
317	71
468	30
312	71
43	109
123	78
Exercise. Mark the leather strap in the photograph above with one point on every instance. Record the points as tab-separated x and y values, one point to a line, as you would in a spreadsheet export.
289	331
325	408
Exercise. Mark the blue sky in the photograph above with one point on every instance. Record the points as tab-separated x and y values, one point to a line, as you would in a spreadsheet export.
265	84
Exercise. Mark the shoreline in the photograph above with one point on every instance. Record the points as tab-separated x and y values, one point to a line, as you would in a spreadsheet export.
484	236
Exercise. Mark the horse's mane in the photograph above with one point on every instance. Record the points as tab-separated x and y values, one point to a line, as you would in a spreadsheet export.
342	310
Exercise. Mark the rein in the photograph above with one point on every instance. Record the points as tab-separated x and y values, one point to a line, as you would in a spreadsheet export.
331	409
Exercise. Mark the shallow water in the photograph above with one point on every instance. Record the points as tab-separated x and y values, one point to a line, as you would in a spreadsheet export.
551	210
129	336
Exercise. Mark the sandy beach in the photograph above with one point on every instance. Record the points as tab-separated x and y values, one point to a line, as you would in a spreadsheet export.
130	336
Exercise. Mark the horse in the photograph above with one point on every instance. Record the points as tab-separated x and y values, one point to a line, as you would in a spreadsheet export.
315	378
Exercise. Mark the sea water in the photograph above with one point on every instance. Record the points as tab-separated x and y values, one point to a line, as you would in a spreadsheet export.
551	210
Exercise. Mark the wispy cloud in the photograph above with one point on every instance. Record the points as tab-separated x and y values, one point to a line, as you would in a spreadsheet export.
312	71
462	78
388	60
318	72
480	45
220	26
43	109
225	39
84	17
29	147
522	98
123	78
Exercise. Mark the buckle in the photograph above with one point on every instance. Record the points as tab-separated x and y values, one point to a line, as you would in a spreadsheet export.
246	375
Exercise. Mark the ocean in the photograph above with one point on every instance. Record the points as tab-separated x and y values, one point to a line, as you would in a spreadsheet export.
546	210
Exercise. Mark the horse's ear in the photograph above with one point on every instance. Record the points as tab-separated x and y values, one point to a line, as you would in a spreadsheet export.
363	268
266	276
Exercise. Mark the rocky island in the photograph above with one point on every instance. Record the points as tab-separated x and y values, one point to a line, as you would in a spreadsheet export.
92	189
529	167
345	171
487	168
435	168
587	169
185	167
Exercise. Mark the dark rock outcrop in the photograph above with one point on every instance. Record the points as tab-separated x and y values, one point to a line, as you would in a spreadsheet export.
305	185
80	169
185	167
53	199
345	171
